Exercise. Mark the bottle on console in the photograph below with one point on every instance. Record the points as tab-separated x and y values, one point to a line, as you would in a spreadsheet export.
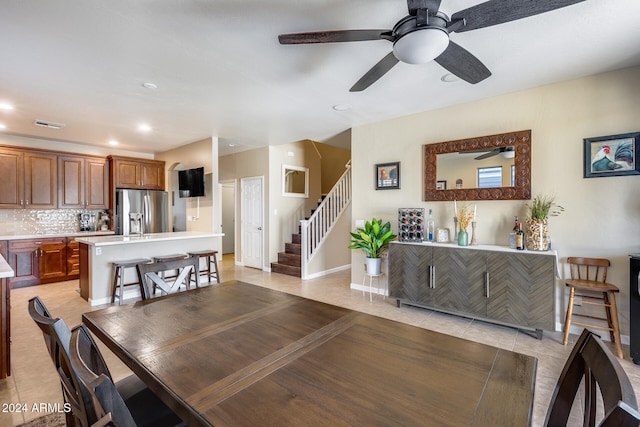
430	228
520	238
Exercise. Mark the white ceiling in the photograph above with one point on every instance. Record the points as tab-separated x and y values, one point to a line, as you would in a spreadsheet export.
220	70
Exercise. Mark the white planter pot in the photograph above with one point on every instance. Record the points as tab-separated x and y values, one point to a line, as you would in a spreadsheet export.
374	266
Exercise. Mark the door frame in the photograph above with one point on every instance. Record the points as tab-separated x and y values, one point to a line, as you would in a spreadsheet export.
236	223
263	213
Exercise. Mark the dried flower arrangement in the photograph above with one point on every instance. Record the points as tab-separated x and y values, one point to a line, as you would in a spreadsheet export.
465	215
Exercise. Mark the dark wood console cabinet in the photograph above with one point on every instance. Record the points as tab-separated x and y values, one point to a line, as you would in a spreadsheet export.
505	287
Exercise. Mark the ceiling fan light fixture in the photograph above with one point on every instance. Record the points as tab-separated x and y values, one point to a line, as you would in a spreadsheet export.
509	154
421	46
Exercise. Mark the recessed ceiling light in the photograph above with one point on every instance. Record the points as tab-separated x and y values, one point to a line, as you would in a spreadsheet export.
150	85
144	128
113	142
341	107
2	126
231	145
5	106
449	78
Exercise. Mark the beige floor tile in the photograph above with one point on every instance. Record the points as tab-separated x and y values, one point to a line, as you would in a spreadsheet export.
34	379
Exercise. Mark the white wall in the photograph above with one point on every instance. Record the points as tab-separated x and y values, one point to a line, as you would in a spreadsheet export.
602	216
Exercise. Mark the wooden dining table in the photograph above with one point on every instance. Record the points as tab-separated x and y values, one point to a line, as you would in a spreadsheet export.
237	354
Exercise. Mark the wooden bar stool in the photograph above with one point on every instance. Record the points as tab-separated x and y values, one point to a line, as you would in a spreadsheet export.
590	275
118	273
211	258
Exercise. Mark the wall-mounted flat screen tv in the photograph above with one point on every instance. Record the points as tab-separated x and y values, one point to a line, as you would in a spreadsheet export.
191	182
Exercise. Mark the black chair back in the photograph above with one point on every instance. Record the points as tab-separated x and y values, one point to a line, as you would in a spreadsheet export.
110	408
604	381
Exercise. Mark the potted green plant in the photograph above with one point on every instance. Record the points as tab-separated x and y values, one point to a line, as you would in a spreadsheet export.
373	240
540	209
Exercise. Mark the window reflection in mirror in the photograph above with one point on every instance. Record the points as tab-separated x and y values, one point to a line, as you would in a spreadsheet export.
295	181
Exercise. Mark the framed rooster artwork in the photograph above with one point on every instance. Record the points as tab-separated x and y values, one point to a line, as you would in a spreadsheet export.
612	155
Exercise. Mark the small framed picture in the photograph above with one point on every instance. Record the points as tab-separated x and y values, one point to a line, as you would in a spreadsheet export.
613	155
442	235
441	185
388	176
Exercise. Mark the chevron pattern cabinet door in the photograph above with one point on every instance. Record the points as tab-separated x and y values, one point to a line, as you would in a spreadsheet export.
522	289
459	280
409	272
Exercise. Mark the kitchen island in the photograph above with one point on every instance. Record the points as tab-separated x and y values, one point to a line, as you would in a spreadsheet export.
97	254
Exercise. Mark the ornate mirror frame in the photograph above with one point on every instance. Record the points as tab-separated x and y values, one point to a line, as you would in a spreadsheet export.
520	140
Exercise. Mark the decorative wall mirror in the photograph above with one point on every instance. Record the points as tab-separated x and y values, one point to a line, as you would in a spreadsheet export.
462	161
295	181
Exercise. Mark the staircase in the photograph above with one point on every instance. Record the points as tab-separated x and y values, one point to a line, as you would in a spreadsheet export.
312	231
289	261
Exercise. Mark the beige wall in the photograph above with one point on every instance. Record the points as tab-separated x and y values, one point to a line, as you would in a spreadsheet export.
602	216
246	164
285	213
333	164
194	155
68	147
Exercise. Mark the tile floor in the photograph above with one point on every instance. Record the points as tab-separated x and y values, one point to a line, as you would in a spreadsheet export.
34	380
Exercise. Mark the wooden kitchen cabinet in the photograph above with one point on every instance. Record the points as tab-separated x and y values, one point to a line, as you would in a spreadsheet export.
73	258
83	182
37	261
29	179
127	172
506	287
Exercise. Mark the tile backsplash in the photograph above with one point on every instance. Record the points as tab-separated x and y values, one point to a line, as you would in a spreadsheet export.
41	221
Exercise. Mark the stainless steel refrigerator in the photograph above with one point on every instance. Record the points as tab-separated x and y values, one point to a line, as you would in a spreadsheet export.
141	211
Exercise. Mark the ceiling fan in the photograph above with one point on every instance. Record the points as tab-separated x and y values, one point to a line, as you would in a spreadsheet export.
506	152
423	36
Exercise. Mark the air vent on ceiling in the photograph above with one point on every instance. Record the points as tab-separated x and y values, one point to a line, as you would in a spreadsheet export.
47	124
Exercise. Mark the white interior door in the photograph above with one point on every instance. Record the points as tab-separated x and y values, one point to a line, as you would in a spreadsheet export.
252	212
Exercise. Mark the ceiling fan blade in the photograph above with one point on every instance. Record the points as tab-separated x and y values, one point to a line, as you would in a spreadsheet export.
378	70
463	64
414	5
487	155
500	11
335	36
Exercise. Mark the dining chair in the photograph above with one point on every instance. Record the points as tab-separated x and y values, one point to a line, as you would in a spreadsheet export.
150	275
109	406
57	336
588	283
591	361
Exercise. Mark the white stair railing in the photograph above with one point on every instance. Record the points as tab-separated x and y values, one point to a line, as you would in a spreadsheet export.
322	220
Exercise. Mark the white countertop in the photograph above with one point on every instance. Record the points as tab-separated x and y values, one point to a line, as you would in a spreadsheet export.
5	270
14	236
123	240
496	248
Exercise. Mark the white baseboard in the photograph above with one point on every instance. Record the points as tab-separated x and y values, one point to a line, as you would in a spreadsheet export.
327	272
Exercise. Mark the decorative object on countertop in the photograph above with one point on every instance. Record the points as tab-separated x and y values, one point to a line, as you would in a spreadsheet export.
373	240
465	215
443	235
474	242
512	235
612	155
411	224
455	229
431	227
388	176
540	209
